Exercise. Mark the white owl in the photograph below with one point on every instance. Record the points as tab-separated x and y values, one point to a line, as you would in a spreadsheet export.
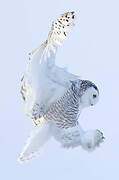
54	98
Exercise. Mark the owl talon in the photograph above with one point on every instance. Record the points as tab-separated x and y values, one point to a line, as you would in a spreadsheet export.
92	139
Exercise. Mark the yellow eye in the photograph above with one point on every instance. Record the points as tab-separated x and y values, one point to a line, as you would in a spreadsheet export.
94	95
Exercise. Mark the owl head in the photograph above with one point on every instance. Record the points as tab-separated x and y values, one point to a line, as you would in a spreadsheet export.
89	93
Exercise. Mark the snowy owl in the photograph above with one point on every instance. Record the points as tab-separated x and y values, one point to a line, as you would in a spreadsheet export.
54	98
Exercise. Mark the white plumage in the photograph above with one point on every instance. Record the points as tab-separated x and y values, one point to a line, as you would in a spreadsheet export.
54	97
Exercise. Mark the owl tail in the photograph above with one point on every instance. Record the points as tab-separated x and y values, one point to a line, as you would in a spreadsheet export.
38	138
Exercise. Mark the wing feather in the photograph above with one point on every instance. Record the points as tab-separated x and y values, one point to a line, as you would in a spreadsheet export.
44	82
36	141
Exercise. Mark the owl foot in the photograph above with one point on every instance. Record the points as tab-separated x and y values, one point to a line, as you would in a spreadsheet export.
92	139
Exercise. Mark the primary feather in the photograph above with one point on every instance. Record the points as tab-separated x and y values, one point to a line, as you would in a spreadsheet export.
43	81
37	139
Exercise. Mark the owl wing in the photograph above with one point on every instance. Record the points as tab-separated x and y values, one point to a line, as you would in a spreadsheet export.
39	136
44	82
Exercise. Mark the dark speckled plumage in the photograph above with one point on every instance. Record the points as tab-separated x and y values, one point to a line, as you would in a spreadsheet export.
65	111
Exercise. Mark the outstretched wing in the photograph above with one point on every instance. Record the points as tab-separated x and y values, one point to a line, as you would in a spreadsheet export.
44	82
36	141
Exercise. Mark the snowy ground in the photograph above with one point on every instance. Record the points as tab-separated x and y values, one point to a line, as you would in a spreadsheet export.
91	51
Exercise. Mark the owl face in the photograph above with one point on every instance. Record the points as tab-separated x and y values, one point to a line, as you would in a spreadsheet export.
90	97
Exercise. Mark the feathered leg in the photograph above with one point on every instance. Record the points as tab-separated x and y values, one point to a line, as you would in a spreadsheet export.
91	139
75	136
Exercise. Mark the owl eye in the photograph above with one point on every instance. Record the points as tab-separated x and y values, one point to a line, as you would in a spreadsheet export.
94	95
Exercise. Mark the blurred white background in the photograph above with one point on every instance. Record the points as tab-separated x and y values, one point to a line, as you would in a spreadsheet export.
91	51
